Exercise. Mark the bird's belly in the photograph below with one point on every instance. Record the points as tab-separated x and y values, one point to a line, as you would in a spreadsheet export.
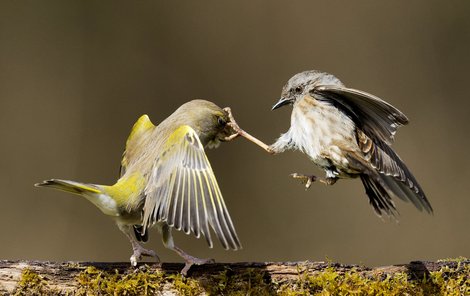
326	135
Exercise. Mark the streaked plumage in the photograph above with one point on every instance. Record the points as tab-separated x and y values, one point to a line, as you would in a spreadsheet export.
348	133
167	181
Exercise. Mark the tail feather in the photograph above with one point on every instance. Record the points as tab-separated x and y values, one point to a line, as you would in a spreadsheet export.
403	192
69	186
379	189
379	197
380	186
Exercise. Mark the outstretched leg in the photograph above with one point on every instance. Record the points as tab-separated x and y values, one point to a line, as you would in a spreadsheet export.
305	179
139	251
189	260
239	132
309	179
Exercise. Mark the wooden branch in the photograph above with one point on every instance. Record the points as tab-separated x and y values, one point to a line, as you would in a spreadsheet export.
81	278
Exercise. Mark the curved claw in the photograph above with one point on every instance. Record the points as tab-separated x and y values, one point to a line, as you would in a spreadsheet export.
194	261
139	252
305	179
239	132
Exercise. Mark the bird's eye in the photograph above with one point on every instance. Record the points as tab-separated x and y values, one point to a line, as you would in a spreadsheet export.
221	121
298	89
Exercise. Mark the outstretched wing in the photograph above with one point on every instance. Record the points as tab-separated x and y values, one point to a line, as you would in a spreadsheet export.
142	126
393	174
183	192
377	118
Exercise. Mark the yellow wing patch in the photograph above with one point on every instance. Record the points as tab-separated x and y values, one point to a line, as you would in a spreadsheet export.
178	136
141	127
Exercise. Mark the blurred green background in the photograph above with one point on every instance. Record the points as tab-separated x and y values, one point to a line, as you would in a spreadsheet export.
75	75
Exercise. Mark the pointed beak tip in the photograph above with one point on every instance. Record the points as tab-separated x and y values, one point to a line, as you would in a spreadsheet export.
280	103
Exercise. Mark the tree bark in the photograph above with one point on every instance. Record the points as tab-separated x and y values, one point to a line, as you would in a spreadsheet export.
62	278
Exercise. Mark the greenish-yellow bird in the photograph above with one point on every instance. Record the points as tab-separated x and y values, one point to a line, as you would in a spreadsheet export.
167	181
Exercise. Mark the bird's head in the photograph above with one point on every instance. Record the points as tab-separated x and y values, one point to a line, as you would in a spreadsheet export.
208	120
302	84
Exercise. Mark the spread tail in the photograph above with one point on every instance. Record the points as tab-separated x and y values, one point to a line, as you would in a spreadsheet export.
379	188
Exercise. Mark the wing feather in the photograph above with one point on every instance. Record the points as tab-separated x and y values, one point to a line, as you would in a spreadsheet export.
394	174
376	124
377	118
183	192
205	226
141	127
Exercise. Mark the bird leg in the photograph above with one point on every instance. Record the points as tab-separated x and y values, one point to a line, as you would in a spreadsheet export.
305	179
188	259
309	179
239	132
139	251
329	180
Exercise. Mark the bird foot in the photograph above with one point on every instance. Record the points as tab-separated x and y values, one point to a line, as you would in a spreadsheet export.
190	261
329	181
239	132
305	179
141	251
309	179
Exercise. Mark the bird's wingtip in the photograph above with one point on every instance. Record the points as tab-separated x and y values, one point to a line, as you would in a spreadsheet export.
43	183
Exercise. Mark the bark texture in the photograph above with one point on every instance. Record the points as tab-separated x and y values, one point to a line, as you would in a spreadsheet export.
96	278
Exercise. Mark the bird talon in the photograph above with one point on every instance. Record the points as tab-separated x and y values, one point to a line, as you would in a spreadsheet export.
329	181
305	179
239	132
184	271
231	137
190	261
134	260
308	184
140	252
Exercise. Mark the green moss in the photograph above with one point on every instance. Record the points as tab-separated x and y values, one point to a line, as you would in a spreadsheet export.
330	281
31	283
97	282
250	282
452	279
185	286
446	281
458	259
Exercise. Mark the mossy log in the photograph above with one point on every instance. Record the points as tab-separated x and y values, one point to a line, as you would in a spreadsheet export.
446	277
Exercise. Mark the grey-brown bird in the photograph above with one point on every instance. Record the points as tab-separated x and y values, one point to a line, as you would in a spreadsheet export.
348	133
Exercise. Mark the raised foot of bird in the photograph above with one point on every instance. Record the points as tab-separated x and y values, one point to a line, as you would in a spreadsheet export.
139	252
239	132
305	179
190	261
329	181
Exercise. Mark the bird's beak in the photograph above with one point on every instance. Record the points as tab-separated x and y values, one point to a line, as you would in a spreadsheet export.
282	102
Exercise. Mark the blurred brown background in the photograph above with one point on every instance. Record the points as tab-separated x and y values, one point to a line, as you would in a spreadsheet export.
74	76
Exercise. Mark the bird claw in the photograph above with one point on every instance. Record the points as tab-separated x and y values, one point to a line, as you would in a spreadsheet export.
231	137
139	252
329	181
239	132
305	179
190	261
